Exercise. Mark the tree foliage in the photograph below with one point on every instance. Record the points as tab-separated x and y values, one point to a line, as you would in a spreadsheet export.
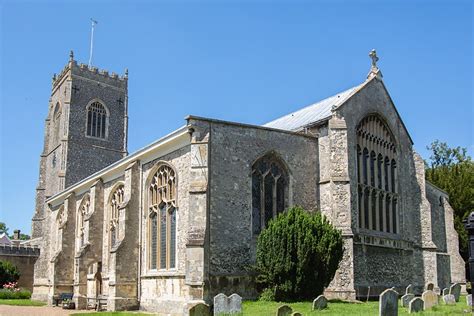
452	170
3	228
297	255
8	273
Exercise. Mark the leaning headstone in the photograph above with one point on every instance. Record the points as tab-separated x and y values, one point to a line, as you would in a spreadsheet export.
429	287
416	305
445	292
200	309
388	303
320	302
221	304
469	300
430	298
406	299
235	303
449	299
409	289
284	310
455	289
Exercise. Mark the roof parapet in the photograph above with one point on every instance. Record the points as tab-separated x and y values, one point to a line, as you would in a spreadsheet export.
72	64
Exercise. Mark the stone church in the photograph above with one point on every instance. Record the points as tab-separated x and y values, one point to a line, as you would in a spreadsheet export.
176	222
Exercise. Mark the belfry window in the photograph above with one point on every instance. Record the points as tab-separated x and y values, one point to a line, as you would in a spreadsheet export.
96	120
115	202
162	219
269	191
376	176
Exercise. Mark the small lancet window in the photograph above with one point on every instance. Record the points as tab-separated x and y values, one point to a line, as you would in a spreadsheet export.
57	121
115	202
162	219
269	191
96	120
82	213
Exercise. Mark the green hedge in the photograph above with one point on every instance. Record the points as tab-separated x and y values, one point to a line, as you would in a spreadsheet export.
297	255
9	295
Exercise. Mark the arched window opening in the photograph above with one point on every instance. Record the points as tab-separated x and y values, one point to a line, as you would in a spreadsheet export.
269	191
115	202
162	219
96	120
57	121
376	176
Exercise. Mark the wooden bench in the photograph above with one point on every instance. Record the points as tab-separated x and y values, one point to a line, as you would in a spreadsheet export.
62	297
101	303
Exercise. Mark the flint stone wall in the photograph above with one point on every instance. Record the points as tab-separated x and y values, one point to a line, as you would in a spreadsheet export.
234	149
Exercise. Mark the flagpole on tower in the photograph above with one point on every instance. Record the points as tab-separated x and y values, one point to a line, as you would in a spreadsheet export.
94	22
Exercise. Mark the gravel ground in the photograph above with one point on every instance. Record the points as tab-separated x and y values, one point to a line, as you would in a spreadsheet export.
8	310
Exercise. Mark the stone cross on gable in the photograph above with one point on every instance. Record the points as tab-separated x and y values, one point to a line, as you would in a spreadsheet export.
373	56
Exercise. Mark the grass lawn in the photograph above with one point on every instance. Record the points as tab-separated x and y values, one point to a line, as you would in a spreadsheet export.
21	302
256	308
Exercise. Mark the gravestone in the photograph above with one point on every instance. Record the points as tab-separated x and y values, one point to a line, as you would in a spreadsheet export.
235	303
455	290
469	300
221	304
429	287
284	310
409	289
449	299
296	314
320	302
388	303
406	299
200	309
445	292
430	298
416	305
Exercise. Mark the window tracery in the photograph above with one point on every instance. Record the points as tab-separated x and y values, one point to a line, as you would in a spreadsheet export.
115	202
96	120
269	191
377	176
162	219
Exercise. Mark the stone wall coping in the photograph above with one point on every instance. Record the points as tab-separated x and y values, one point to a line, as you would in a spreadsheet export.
245	125
19	250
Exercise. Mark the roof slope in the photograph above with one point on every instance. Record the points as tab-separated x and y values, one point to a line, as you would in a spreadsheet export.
312	113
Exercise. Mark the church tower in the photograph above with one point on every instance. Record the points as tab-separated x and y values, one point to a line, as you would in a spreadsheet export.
85	130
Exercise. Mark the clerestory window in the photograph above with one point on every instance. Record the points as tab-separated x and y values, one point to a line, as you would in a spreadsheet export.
162	219
96	120
269	191
377	176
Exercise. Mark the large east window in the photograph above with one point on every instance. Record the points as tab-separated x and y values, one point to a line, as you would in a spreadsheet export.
269	191
162	219
377	176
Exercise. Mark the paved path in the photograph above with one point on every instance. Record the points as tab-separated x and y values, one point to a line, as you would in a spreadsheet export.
7	310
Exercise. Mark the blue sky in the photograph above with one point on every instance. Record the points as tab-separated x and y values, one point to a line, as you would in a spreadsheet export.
246	61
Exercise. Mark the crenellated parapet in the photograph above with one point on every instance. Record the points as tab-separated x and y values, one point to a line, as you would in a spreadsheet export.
19	250
92	73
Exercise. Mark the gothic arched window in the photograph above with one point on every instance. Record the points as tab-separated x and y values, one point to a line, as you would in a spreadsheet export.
115	202
376	176
57	121
269	191
82	213
162	219
96	120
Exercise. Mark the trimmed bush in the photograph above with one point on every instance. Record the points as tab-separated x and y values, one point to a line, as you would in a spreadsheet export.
297	255
14	295
8	273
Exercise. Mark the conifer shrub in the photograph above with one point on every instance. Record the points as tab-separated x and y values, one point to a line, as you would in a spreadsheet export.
297	256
